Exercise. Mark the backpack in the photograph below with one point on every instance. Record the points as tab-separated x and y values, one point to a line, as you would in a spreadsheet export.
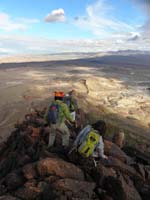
68	101
86	148
53	113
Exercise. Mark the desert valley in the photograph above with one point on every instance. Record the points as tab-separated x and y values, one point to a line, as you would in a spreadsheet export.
115	88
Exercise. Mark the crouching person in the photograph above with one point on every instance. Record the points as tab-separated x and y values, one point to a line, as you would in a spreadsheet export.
89	142
55	116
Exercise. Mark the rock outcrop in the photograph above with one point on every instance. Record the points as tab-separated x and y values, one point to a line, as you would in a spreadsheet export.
31	171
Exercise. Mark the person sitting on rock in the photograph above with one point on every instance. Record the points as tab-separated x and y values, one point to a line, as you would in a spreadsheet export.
55	116
89	141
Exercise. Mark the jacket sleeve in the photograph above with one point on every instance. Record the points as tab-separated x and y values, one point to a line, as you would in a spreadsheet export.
67	112
100	148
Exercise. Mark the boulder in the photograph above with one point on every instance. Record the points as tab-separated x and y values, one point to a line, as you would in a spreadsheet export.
147	173
122	167
27	193
31	183
121	188
13	180
8	197
143	189
3	189
29	171
140	169
23	160
74	188
103	172
113	150
3	147
143	186
32	189
58	167
51	179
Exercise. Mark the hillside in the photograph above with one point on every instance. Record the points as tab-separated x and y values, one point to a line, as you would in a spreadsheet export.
116	92
30	170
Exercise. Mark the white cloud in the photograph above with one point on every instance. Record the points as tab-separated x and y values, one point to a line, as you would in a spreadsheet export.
56	16
8	24
100	21
144	6
15	44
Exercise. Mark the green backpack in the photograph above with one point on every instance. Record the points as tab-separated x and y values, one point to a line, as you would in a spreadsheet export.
87	146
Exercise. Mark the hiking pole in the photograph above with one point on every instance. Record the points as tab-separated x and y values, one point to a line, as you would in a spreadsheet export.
71	150
95	164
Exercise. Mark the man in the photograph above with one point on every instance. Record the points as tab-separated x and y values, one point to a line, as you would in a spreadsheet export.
89	141
71	102
58	122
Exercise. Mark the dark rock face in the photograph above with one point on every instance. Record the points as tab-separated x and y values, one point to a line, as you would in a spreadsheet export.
13	181
8	197
121	188
104	172
74	188
121	167
30	171
113	150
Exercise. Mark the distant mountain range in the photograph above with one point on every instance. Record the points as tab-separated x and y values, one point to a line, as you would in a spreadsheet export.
129	52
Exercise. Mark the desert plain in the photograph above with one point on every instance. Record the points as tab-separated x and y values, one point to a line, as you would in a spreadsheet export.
115	88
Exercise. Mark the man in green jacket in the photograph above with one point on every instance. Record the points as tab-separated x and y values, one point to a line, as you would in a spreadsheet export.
71	102
63	114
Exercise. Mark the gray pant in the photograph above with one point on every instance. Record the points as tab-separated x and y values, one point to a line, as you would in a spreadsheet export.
64	132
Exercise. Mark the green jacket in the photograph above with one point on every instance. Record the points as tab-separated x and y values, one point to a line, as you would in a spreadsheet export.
63	112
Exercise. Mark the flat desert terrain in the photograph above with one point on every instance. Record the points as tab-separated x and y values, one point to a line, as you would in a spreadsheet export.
113	87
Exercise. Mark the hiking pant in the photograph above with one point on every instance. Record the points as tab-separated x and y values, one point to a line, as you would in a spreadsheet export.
64	133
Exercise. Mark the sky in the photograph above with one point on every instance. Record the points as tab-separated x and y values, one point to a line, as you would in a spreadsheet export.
48	26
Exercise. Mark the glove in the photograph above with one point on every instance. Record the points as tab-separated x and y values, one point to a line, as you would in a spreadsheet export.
105	157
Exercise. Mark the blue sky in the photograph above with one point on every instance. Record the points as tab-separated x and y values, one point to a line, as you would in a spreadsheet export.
48	26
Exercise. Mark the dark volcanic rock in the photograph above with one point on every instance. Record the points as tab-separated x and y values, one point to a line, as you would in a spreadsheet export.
122	167
74	188
8	197
113	150
147	173
121	188
29	171
58	167
13	180
103	172
28	193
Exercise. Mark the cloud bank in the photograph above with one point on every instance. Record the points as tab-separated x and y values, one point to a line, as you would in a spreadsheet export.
9	24
15	44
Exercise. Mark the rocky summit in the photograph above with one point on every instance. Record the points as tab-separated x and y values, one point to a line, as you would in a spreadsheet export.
31	171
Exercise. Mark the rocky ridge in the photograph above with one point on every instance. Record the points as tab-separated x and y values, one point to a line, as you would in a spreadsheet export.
28	170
